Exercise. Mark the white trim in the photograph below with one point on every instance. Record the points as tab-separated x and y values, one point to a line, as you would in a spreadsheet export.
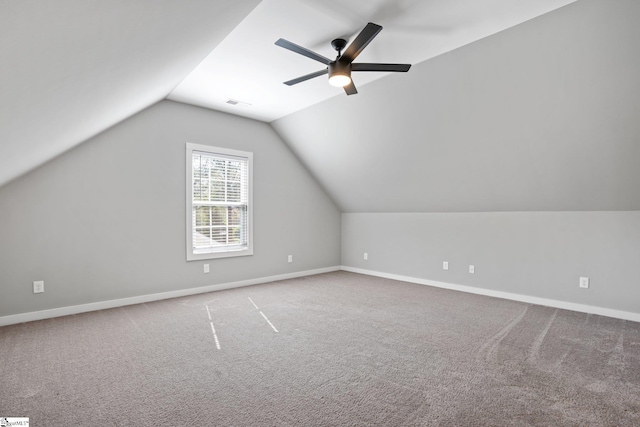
618	314
102	305
227	153
83	308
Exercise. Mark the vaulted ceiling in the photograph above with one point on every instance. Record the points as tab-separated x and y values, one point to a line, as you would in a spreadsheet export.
70	69
248	67
510	104
544	116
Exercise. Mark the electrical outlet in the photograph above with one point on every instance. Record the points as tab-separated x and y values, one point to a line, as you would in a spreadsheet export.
366	256
472	269
206	268
445	265
38	287
290	259
584	282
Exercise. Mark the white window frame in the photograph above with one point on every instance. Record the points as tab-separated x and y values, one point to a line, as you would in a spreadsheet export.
223	152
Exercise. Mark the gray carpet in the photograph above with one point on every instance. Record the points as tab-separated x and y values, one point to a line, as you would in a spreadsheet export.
350	350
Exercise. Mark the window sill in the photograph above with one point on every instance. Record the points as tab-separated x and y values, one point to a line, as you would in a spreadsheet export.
214	255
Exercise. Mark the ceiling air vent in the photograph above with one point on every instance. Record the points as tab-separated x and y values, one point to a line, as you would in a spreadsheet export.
237	103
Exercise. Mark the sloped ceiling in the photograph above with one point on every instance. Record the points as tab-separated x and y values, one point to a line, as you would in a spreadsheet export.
540	117
70	69
248	67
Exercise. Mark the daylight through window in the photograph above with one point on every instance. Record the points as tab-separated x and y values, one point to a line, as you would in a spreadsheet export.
220	205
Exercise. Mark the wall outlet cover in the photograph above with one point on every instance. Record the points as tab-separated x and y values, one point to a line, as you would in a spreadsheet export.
472	269
445	265
584	282
38	287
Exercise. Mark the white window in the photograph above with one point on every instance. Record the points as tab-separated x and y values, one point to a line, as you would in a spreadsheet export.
219	202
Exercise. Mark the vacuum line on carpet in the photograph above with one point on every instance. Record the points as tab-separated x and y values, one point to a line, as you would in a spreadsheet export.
254	304
215	337
208	313
265	318
534	353
488	351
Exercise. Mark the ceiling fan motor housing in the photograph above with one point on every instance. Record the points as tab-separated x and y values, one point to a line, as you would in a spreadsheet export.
339	45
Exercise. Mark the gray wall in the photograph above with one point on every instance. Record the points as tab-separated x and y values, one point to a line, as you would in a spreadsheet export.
540	117
107	219
539	254
537	126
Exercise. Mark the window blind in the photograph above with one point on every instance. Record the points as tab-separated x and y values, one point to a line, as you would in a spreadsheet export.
220	197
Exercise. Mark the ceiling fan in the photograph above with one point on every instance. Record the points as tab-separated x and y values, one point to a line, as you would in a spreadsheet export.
340	69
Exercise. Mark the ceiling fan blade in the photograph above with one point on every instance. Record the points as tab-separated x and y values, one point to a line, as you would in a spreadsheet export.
350	89
306	77
362	40
363	66
302	51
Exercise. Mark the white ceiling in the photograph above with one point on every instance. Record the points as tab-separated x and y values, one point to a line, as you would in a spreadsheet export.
248	67
540	117
73	68
70	69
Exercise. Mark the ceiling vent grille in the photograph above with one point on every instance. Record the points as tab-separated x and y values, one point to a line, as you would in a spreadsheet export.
237	103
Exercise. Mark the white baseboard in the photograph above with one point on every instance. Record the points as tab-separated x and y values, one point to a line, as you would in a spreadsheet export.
618	314
83	308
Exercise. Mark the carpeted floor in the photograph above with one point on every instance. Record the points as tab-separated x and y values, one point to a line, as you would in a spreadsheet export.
349	350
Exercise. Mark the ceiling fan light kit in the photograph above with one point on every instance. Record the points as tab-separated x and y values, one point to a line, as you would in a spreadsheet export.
339	70
339	74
